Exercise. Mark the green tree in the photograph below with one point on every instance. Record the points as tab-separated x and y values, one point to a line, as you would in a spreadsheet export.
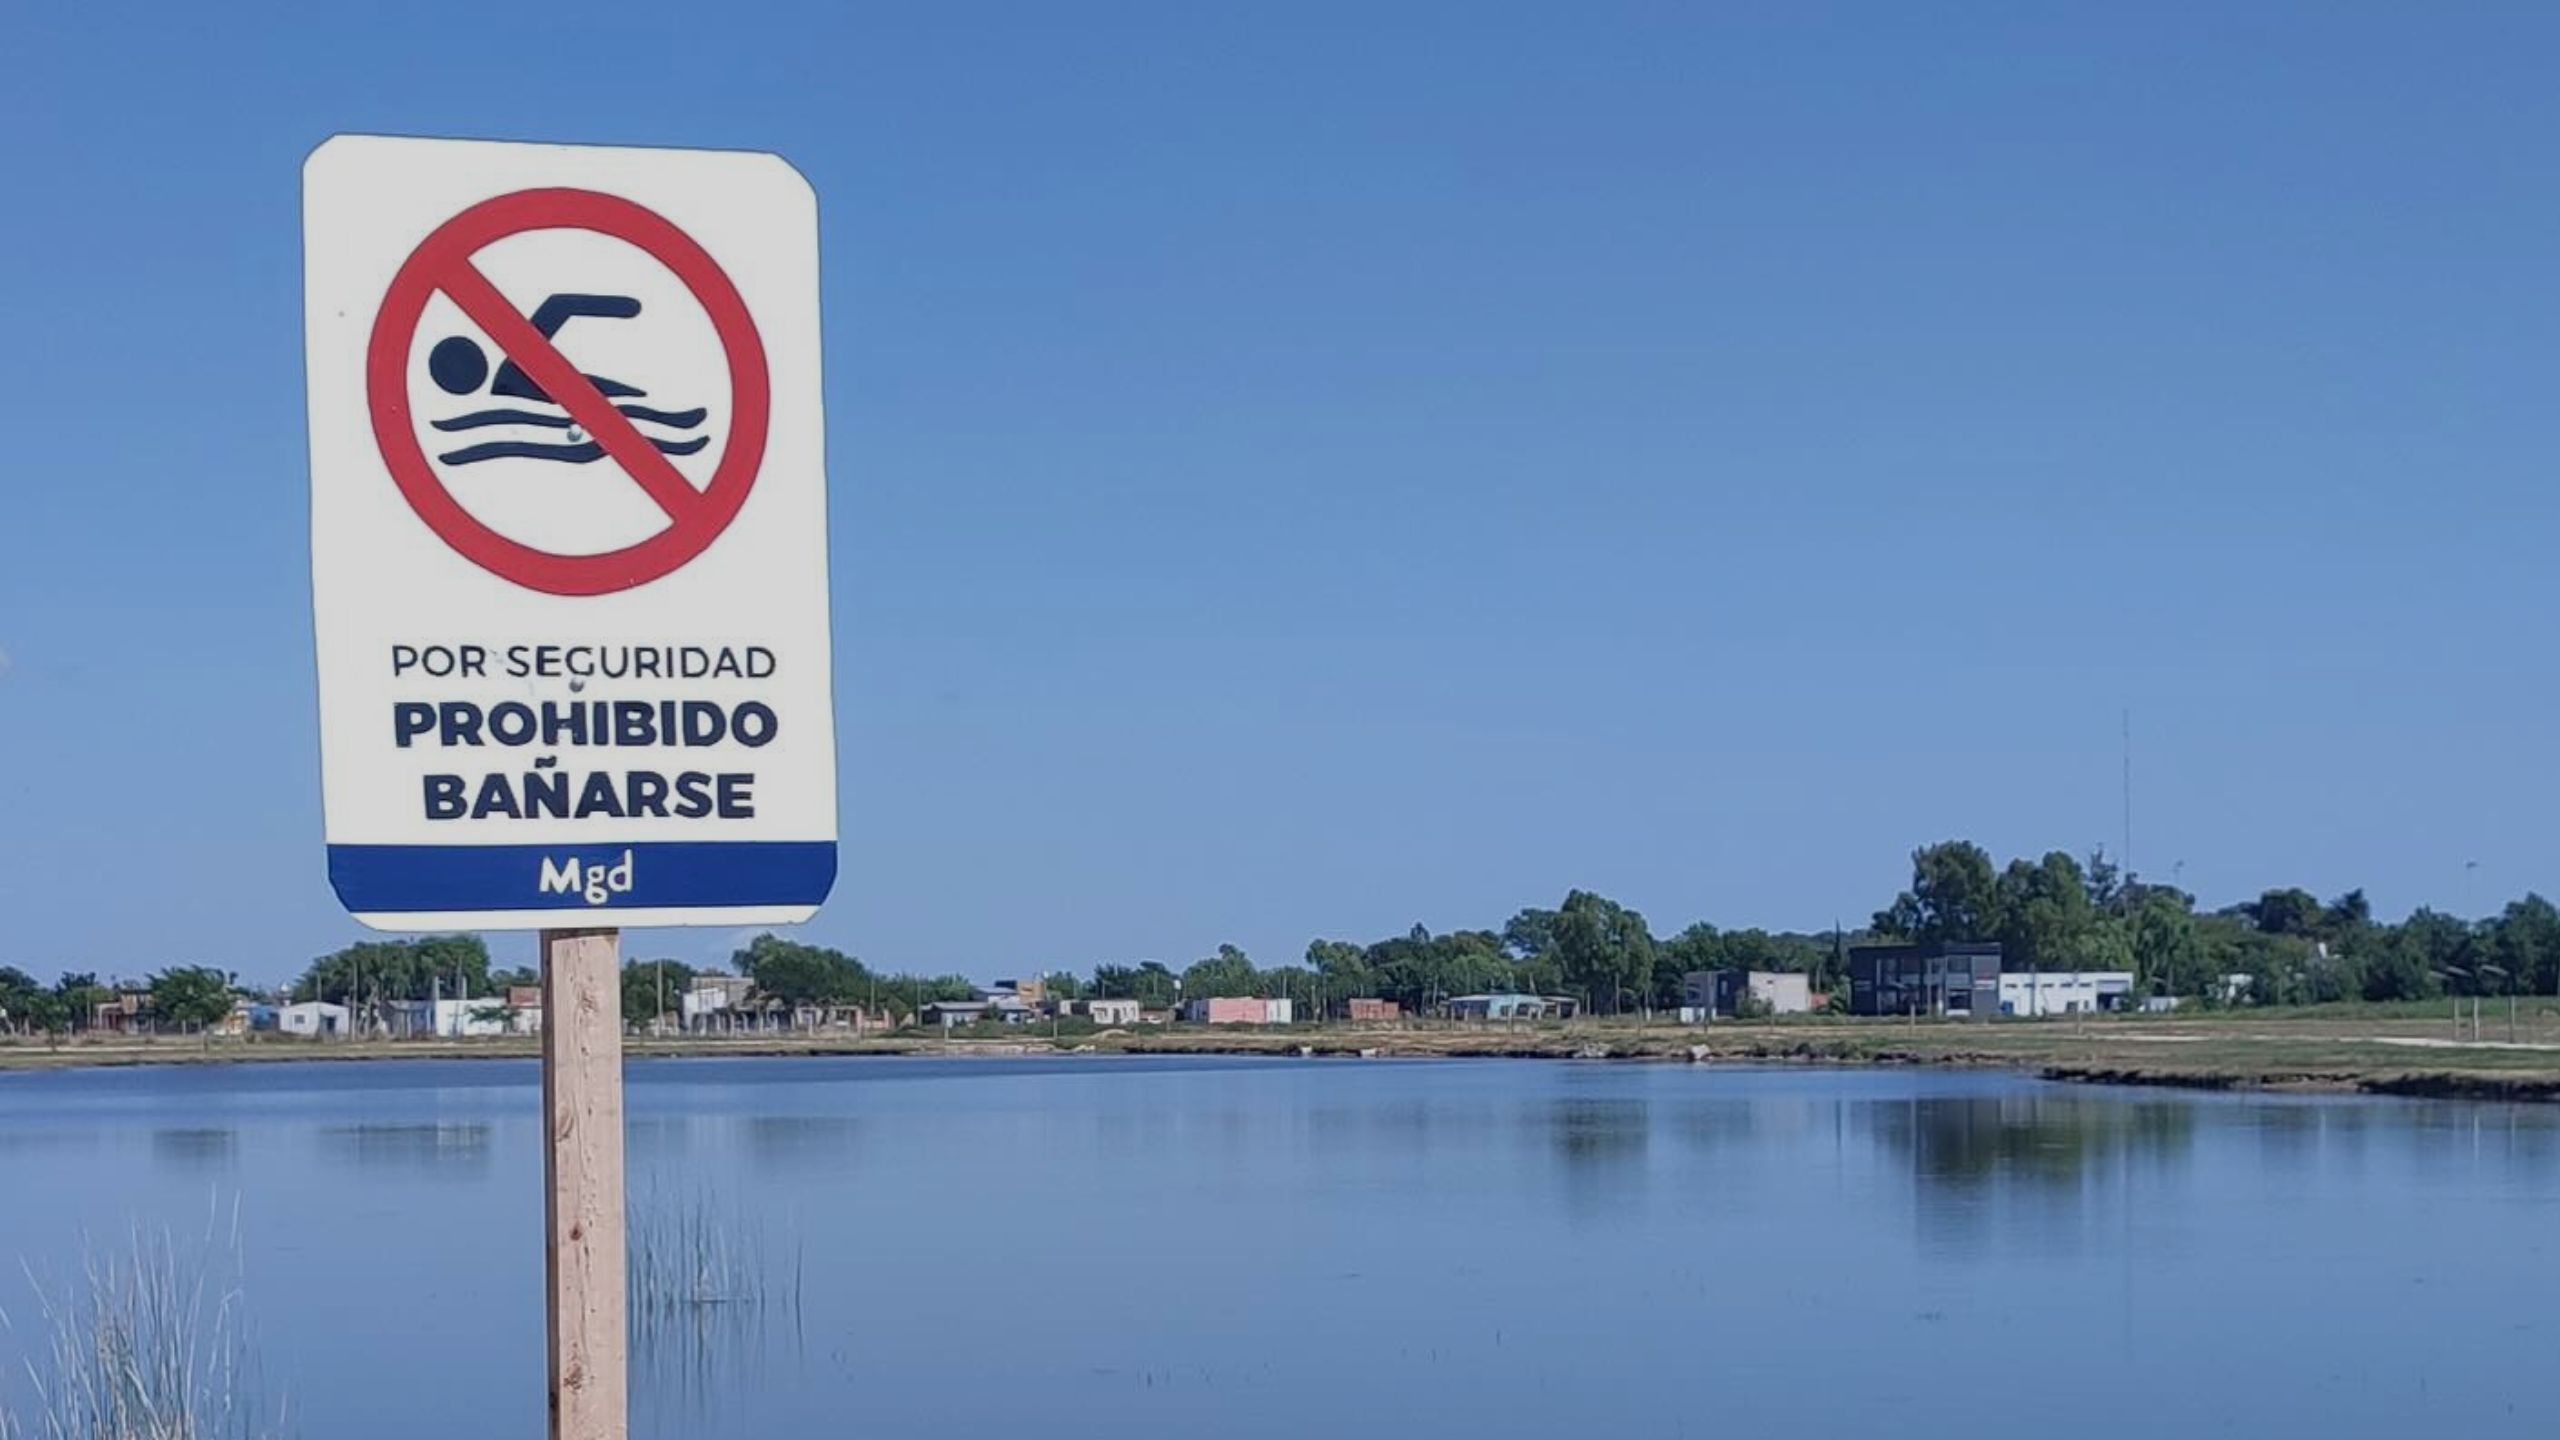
2110	890
1063	985
1700	947
798	974
2169	956
373	972
1603	950
2525	941
1342	970
1229	972
1954	896
2405	961
192	997
2046	919
49	1012
453	966
1530	934
18	993
77	996
1150	983
2289	911
2345	915
654	990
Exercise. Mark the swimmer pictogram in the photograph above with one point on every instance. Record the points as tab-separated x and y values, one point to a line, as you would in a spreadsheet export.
459	367
565	414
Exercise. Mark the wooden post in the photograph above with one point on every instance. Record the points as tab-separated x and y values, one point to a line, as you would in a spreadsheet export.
583	1259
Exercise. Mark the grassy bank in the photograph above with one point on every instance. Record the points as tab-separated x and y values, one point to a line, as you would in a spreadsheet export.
2405	1050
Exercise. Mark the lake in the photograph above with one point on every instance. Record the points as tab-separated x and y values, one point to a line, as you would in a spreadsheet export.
1180	1248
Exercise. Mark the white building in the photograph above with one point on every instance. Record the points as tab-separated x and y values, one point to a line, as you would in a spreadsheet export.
312	1018
712	995
1706	993
1112	1012
2064	992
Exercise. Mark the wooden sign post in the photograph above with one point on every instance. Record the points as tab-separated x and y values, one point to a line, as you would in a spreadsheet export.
583	1252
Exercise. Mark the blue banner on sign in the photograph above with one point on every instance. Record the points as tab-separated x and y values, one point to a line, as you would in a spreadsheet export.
411	879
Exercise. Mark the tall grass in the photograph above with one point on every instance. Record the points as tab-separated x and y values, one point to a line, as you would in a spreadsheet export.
708	1299
690	1256
145	1342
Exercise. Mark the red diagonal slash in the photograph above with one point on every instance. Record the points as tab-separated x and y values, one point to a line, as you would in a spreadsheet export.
542	361
444	264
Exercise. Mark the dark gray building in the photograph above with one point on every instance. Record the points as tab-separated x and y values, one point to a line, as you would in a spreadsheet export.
1938	978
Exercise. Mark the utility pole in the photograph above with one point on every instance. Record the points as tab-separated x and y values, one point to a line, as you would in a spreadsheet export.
2125	877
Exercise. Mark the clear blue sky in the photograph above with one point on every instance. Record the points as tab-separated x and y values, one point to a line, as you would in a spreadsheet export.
1309	472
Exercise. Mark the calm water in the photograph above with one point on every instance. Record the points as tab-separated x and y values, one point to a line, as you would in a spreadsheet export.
1133	1248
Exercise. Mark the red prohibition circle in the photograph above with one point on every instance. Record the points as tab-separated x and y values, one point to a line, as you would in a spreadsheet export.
443	262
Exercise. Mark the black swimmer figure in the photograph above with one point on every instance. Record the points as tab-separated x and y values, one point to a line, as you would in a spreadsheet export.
459	366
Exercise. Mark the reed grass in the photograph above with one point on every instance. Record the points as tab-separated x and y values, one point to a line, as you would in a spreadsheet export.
147	1341
691	1255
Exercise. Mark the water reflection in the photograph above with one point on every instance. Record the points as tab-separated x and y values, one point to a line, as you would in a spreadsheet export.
2030	1168
21	1142
1600	1145
455	1150
686	1362
185	1149
1253	1252
782	1144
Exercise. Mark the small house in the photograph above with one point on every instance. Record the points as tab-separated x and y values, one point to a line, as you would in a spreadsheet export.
1112	1012
1238	1010
1730	992
313	1019
2065	992
1506	1006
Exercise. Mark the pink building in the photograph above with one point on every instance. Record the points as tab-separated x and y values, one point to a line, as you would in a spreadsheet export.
1237	1010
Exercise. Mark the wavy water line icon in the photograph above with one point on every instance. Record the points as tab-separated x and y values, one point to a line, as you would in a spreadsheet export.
458	366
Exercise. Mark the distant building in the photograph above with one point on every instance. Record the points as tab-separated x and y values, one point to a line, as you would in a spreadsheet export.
1938	978
312	1018
713	1000
1720	992
1001	1006
1368	1010
1505	1006
126	1014
1238	1010
2065	992
1112	1012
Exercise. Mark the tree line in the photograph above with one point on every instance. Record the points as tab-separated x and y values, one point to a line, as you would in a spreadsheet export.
185	998
2294	948
2054	913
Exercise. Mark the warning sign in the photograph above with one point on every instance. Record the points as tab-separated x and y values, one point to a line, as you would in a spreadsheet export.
568	534
531	368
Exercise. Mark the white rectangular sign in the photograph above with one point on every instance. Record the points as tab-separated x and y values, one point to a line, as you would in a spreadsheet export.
568	534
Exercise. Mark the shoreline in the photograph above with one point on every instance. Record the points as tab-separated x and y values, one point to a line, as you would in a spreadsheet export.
2379	1056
